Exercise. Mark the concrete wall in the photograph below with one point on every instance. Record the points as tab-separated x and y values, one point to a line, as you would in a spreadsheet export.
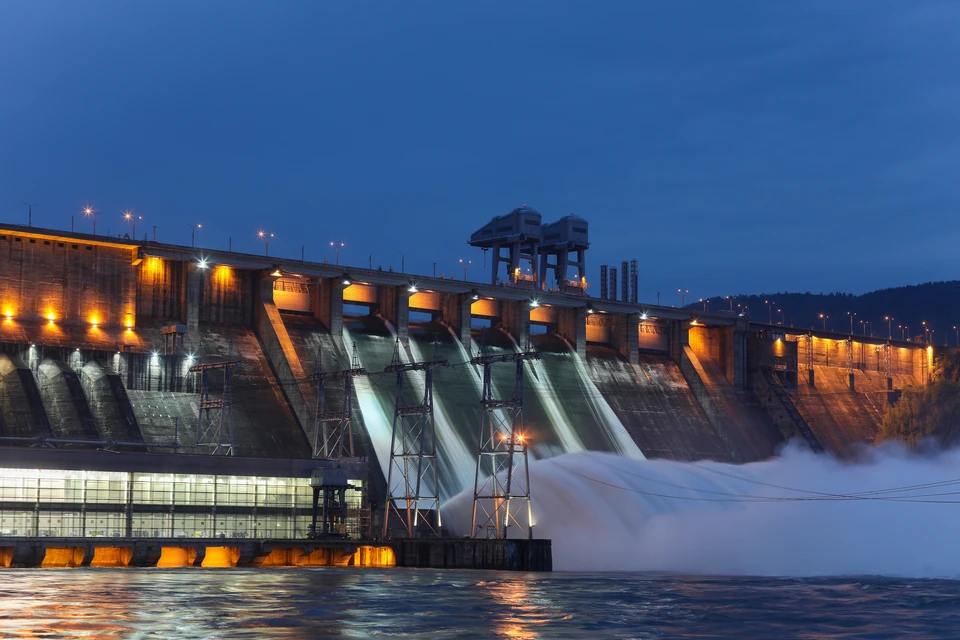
76	282
160	289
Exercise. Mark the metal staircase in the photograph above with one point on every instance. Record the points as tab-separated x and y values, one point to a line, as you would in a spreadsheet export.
778	389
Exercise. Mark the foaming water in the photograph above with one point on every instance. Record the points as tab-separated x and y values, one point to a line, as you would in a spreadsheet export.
823	517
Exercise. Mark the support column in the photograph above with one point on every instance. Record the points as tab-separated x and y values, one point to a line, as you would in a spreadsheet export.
456	313
625	336
739	354
402	314
515	318
572	326
394	305
679	338
194	293
466	321
329	307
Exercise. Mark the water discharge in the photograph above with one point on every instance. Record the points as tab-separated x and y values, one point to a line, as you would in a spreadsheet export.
564	411
891	513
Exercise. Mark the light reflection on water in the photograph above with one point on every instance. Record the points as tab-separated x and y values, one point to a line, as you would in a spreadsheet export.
411	603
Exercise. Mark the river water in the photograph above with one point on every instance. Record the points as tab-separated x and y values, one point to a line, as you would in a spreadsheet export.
416	603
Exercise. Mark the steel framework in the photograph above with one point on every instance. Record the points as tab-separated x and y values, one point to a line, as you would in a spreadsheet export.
634	280
624	281
504	493
808	351
215	421
848	349
413	482
332	430
603	282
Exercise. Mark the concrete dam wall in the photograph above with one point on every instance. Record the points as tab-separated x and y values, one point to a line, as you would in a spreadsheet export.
98	338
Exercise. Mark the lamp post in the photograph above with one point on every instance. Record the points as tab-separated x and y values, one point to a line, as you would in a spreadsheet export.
769	304
852	314
730	298
705	305
783	317
193	233
89	212
30	206
465	263
336	252
889	320
129	217
957	332
683	293
926	333
823	319
902	329
263	235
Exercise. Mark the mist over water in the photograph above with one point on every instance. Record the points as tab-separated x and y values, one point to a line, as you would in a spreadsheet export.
824	517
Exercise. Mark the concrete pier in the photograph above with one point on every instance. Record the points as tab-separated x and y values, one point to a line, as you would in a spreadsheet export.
434	553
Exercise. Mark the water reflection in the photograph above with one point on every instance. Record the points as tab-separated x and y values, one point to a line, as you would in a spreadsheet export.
401	603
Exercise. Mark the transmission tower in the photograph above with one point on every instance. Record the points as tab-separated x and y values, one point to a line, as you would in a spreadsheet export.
332	432
634	280
413	482
215	421
603	282
504	491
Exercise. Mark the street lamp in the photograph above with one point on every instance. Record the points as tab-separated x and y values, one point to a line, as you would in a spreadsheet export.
129	217
957	331
926	332
852	314
889	327
730	298
465	263
193	233
902	329
683	293
769	304
783	317
89	212
263	235
705	305
336	252
823	319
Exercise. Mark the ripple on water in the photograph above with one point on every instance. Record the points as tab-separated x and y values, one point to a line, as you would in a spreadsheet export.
402	603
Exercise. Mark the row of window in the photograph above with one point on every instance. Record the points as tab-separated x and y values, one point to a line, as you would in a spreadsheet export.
91	487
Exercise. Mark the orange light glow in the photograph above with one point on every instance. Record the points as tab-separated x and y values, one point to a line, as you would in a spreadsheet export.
51	317
94	321
223	274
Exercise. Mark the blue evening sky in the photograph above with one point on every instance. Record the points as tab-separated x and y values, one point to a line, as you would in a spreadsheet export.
729	146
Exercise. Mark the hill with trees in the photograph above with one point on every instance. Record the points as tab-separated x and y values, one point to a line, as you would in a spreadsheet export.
935	303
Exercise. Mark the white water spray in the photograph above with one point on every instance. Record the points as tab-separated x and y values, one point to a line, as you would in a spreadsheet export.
823	517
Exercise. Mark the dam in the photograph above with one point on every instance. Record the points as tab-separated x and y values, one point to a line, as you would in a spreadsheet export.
210	400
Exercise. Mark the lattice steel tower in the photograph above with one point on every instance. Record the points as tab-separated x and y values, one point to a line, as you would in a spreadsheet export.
215	420
332	430
501	496
413	482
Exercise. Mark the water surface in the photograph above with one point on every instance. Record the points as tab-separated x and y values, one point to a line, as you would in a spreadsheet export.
416	603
